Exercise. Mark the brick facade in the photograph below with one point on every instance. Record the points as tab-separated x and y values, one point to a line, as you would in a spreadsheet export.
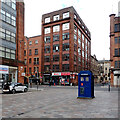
77	60
30	57
115	49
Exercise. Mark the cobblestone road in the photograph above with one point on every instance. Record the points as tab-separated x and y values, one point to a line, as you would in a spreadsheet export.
59	103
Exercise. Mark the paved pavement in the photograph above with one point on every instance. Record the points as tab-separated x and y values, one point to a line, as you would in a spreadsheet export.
60	102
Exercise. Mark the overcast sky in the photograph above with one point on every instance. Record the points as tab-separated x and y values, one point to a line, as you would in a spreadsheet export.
94	13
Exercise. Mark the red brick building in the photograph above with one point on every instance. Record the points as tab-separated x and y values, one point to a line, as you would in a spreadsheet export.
12	41
115	48
32	56
66	46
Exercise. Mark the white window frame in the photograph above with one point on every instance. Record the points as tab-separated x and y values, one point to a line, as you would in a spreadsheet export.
47	20
47	30
56	28
66	15
56	17
66	26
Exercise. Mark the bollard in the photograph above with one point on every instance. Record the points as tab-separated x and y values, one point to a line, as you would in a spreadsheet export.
37	85
109	87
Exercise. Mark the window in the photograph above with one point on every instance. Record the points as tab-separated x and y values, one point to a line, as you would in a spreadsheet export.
55	38
30	52
66	47
24	52
56	17
82	53
13	5
24	43
79	51
75	16
25	61
75	58
30	42
47	20
47	30
65	57
30	70
65	15
55	68
47	49
79	41
75	38
47	39
117	27
119	51
36	61
8	18
36	70
83	37
79	32
65	36
55	58
47	58
65	26
65	67
116	52
36	51
30	60
55	48
75	47
75	28
56	28
116	40
36	41
46	67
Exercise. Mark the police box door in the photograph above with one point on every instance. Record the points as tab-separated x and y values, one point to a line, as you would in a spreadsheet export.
85	86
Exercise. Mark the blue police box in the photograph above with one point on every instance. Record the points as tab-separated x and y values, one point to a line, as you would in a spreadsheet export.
85	84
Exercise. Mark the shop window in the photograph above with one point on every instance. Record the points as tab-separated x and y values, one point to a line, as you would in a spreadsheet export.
55	58
55	48
65	46
65	57
55	38
65	36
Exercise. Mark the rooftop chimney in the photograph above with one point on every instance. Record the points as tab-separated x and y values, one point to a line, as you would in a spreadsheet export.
119	8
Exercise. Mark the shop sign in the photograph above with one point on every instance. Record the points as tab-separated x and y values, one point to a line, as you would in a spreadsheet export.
4	69
56	74
65	73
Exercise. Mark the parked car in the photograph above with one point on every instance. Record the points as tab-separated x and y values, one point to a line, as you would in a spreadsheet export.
14	87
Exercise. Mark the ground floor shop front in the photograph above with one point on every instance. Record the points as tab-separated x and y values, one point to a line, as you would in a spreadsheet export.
8	73
60	78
